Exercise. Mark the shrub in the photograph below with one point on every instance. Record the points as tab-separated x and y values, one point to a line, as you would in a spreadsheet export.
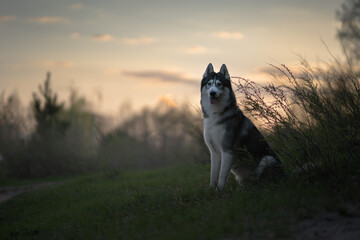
311	118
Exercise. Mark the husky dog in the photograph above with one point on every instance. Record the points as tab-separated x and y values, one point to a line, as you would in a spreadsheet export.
230	136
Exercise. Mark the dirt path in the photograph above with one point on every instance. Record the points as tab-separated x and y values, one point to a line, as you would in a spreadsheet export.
7	193
330	226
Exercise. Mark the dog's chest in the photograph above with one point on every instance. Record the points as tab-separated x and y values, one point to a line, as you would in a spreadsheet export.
213	133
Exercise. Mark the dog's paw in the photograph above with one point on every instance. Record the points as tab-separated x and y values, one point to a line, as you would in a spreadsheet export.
215	189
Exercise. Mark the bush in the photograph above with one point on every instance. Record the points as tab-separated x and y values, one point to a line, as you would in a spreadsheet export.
311	119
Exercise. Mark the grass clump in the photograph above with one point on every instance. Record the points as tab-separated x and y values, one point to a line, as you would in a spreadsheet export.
311	118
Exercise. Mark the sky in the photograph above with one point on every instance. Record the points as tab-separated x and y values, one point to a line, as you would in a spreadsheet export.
116	51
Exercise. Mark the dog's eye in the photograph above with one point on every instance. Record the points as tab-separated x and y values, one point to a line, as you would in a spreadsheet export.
209	84
218	84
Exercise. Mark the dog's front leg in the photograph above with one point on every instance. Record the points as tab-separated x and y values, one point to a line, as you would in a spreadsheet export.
226	162
215	168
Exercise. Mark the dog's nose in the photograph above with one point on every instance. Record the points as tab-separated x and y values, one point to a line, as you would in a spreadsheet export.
212	94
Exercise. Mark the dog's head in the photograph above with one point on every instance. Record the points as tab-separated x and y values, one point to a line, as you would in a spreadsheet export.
214	84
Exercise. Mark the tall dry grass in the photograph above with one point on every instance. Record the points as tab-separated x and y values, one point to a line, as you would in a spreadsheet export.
311	118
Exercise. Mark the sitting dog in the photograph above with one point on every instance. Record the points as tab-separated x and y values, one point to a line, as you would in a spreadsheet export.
235	144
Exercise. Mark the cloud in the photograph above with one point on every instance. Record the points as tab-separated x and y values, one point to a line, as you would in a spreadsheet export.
125	40
102	37
76	6
162	76
228	35
137	41
196	50
46	20
273	73
62	64
41	64
297	68
7	18
113	71
277	72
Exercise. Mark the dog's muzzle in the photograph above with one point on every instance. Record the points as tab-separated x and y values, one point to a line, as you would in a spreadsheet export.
213	97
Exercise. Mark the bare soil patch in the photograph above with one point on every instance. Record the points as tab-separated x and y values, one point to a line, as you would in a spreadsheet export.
7	193
330	226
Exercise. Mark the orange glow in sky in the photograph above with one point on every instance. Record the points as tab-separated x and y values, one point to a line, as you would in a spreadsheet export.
142	50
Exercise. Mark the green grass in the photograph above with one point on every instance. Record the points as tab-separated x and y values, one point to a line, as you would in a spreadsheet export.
5	182
167	203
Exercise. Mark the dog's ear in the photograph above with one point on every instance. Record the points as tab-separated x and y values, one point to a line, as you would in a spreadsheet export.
209	70
224	71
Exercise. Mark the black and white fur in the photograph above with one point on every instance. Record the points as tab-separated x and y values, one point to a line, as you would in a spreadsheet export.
229	134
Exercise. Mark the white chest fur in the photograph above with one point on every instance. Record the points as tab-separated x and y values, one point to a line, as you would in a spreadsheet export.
213	134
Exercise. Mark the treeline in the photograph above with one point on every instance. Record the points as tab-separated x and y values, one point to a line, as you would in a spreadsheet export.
155	136
56	138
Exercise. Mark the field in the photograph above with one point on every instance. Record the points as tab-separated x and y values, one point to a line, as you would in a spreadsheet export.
170	203
67	168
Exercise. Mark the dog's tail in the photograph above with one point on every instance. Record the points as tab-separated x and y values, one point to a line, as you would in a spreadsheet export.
271	164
